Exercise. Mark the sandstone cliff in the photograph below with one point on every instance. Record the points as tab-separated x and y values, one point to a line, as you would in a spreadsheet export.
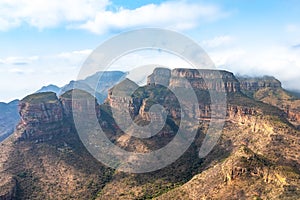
269	90
204	79
253	84
156	92
41	116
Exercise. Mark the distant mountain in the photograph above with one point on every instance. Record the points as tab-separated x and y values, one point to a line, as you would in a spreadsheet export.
97	84
81	85
295	93
49	88
9	117
105	80
256	157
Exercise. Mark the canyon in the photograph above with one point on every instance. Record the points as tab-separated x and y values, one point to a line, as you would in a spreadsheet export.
256	157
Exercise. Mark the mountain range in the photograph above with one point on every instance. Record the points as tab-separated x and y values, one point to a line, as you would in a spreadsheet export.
96	84
256	157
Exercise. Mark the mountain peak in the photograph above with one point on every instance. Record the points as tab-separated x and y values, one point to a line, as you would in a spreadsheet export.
49	88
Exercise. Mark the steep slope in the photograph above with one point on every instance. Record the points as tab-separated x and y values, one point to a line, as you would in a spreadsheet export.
9	117
268	89
242	175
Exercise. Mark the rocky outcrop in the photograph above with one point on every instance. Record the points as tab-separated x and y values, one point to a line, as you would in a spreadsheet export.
257	83
203	79
120	97
160	76
43	115
292	114
156	92
244	162
79	101
268	90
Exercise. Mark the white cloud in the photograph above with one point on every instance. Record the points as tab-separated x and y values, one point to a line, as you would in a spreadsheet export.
218	41
18	60
279	61
39	71
74	54
178	15
95	16
47	13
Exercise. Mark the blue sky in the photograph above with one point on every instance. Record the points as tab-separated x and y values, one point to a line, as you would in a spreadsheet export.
46	41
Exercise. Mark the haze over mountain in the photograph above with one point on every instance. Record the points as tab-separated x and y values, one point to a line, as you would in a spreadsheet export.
256	157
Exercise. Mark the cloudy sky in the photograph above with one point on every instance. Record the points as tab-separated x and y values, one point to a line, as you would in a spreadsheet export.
46	41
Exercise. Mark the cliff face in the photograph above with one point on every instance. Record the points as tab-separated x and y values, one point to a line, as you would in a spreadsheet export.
120	97
41	116
203	79
81	101
257	83
268	90
156	92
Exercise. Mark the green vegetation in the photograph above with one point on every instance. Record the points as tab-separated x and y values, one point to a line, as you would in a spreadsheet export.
78	94
41	97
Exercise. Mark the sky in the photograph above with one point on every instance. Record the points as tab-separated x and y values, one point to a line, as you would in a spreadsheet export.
46	41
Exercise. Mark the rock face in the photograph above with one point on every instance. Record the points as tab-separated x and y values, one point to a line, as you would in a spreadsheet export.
156	92
79	101
41	116
160	76
120	97
203	79
268	90
256	83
